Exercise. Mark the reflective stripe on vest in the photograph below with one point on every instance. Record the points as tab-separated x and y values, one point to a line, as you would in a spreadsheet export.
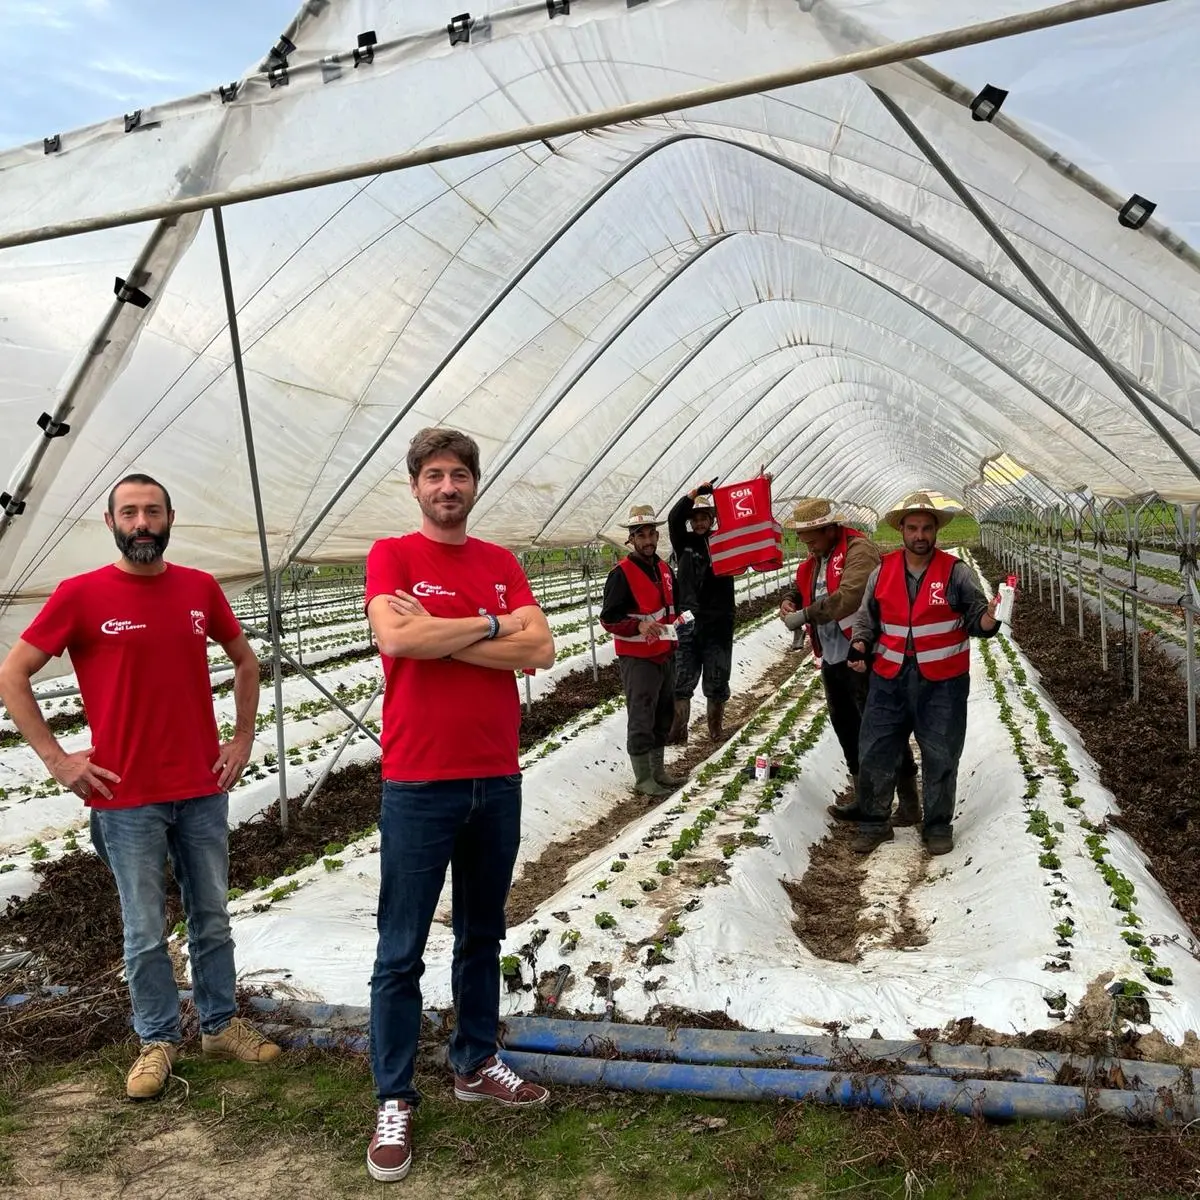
806	581
940	645
655	601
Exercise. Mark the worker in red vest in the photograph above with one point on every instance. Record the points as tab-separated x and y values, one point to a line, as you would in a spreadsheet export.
830	583
639	611
919	609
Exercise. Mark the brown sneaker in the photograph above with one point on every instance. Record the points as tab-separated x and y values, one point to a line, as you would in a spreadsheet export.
150	1074
239	1040
389	1154
494	1081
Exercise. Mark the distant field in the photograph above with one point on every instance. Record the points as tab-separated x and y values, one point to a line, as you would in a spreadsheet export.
962	531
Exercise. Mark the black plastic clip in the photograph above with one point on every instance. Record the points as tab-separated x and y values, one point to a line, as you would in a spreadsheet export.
126	293
229	94
52	145
11	507
278	76
558	8
133	120
1136	211
459	29
280	51
52	428
366	48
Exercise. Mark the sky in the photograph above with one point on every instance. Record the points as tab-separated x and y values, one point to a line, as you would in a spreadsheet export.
70	63
1117	94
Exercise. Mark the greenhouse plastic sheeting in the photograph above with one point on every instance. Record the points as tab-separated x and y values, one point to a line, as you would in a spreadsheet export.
778	279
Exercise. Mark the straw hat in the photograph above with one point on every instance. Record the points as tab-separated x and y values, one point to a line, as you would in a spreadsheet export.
704	504
639	515
918	502
813	514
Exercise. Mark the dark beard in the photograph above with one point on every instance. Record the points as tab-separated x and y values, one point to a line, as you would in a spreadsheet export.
144	554
447	520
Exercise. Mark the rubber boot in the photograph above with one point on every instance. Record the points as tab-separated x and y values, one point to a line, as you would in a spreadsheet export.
679	726
908	810
659	769
644	782
715	713
847	812
864	842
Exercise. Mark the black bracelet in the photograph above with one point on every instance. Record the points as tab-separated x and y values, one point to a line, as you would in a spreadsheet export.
493	627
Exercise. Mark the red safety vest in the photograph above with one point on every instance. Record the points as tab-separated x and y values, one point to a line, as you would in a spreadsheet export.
747	534
939	638
654	602
806	579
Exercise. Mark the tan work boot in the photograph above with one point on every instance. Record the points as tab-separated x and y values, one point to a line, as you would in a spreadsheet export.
679	726
150	1074
239	1041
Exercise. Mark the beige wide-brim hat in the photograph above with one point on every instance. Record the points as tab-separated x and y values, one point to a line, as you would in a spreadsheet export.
703	505
640	515
919	502
813	514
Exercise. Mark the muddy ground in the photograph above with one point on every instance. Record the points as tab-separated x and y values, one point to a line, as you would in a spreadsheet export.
1141	748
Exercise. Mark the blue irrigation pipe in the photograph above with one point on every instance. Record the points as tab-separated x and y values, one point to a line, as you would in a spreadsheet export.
725	1047
995	1099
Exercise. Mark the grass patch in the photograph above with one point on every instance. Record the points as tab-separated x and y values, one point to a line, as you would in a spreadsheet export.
319	1107
959	531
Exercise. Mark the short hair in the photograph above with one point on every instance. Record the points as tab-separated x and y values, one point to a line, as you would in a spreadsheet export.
430	442
137	477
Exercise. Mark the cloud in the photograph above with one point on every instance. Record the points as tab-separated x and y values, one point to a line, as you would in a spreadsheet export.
138	72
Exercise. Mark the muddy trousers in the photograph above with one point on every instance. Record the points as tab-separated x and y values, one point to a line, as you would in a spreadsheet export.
649	701
705	656
846	697
936	711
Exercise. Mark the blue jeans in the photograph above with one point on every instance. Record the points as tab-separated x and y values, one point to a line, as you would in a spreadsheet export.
473	825
135	843
936	711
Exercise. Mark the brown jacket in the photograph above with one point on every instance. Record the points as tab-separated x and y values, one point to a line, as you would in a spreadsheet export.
862	557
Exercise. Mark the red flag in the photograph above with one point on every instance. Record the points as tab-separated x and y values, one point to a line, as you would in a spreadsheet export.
747	534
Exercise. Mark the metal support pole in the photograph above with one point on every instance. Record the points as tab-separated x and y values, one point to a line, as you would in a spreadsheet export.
1079	573
587	583
1100	540
357	723
1084	340
256	492
528	694
1133	611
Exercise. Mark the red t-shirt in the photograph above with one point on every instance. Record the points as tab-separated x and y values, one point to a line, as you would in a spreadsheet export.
447	719
138	644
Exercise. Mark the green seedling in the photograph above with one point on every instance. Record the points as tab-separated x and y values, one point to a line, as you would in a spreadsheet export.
628	902
510	966
616	865
606	920
37	851
648	885
1049	860
333	864
6	867
235	894
663	867
285	889
1160	975
601	885
674	929
568	940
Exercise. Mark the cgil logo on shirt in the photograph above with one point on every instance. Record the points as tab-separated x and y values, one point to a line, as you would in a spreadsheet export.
502	596
425	588
743	501
114	626
198	621
936	594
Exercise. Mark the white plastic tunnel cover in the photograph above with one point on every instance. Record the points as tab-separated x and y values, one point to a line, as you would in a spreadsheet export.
781	279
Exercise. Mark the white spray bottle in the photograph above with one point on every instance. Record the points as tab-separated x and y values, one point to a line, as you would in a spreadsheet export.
1007	592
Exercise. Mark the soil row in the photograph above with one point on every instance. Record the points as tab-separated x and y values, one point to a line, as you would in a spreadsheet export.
1141	748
